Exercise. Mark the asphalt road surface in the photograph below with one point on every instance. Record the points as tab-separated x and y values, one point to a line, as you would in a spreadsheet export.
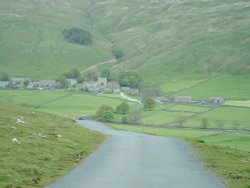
133	160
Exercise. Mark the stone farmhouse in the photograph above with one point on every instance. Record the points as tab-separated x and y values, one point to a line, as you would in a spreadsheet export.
44	84
103	86
72	82
4	84
215	100
18	82
183	99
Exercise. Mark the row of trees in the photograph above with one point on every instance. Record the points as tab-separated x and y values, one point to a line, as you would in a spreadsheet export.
130	114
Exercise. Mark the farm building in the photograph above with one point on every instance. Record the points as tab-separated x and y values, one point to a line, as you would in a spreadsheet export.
4	84
216	100
183	99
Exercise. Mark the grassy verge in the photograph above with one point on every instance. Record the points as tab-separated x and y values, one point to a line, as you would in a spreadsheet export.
49	146
230	164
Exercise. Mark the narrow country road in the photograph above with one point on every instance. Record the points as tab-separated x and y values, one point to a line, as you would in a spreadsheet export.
133	160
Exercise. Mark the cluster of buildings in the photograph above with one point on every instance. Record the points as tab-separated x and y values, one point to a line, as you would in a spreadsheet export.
103	86
21	83
189	100
94	87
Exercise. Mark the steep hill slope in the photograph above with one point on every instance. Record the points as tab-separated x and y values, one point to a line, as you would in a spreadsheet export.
32	43
158	38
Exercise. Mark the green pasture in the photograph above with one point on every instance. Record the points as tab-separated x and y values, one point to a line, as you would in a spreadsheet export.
32	98
189	108
59	102
237	141
79	104
245	103
227	86
171	132
227	117
164	117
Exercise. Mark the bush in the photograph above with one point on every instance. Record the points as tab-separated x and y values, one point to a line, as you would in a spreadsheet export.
77	35
149	103
130	79
118	54
122	108
4	76
105	113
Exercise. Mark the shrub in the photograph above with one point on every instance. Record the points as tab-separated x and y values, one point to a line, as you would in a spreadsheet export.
122	108
77	35
105	113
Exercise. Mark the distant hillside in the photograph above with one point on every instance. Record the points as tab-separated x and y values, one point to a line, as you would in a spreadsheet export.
158	38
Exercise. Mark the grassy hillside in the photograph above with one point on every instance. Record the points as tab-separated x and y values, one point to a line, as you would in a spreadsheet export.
49	146
32	43
159	39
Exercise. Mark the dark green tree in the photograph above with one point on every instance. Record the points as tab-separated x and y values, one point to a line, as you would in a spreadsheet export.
118	54
105	113
62	80
122	108
4	76
107	73
130	79
134	115
149	103
204	123
77	35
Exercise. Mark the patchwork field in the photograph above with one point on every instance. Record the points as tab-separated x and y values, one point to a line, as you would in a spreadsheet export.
62	103
227	86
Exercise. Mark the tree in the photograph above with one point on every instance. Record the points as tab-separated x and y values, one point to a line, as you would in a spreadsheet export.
130	79
122	108
152	91
77	35
180	121
118	54
134	115
26	83
204	123
4	76
74	73
149	103
220	124
105	113
124	119
62	80
108	74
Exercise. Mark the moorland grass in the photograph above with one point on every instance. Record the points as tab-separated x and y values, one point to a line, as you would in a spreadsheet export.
49	146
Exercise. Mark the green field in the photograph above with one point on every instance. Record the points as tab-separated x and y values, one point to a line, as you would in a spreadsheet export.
48	146
228	117
62	103
227	86
237	141
163	117
245	103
